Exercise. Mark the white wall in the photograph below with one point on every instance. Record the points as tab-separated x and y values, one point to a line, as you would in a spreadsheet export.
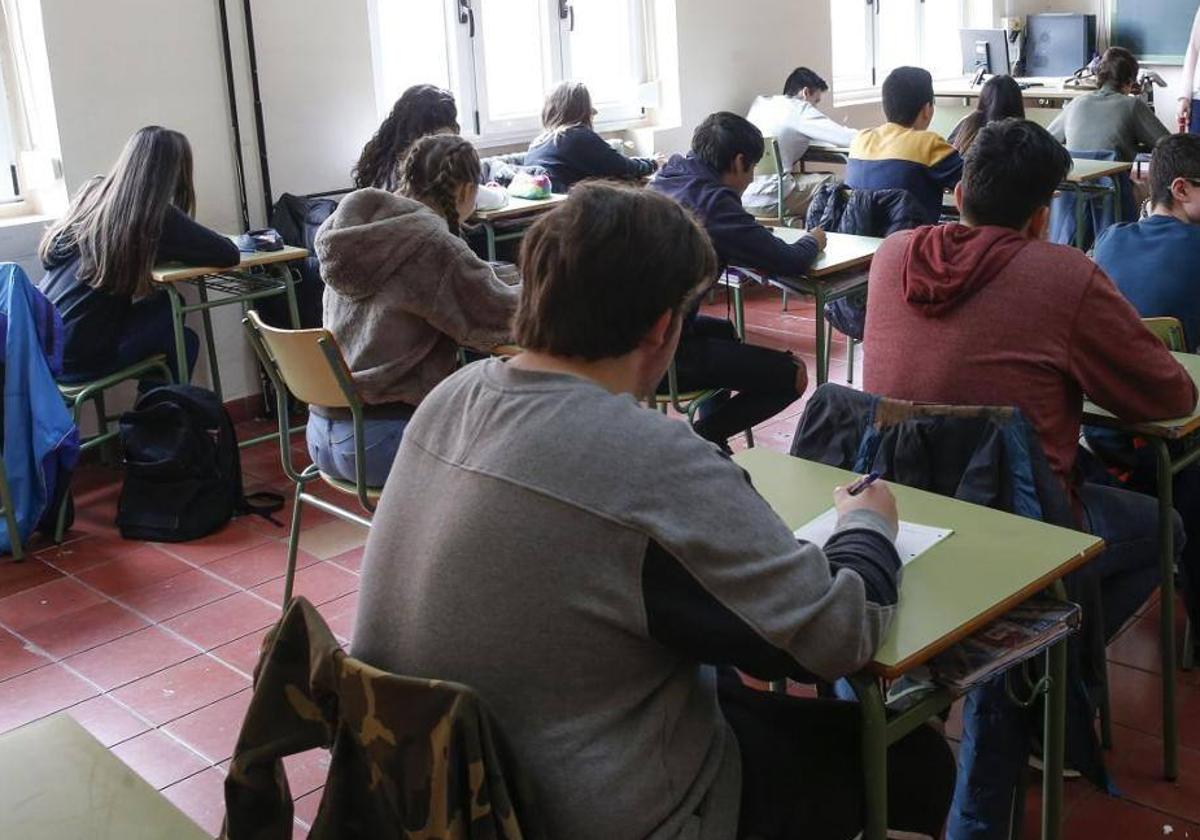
117	65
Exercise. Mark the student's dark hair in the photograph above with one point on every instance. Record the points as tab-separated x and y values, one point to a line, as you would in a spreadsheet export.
601	268
906	90
999	99
569	104
1118	67
420	110
435	170
1012	169
116	221
802	78
723	136
1175	156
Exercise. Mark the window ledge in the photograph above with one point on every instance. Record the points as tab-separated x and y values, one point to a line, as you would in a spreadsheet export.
520	140
23	216
870	96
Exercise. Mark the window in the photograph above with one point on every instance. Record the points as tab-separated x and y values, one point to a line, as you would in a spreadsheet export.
878	36
501	57
30	175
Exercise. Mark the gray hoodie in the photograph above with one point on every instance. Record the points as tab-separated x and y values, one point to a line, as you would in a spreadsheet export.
402	293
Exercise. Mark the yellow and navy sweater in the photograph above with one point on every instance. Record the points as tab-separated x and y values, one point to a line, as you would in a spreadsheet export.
893	157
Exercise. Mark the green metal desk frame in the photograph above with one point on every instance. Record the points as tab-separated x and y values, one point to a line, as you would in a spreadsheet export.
10	515
237	287
1160	436
826	291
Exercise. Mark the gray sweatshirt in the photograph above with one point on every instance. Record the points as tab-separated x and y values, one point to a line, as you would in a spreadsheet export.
1108	120
583	563
402	293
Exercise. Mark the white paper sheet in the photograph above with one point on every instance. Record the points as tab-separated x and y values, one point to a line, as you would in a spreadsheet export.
913	540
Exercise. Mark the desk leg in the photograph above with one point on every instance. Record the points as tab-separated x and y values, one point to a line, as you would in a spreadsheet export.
1079	208
177	321
490	232
1116	199
821	327
1054	740
210	342
288	277
874	755
1166	535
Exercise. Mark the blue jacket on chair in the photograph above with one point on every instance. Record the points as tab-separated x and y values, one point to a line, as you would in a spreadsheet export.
41	441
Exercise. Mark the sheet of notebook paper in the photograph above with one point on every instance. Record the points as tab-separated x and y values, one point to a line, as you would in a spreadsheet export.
913	540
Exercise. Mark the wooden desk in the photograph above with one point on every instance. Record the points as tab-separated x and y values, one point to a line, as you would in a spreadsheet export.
1049	90
60	783
1082	181
838	155
259	275
993	562
517	215
1161	434
839	272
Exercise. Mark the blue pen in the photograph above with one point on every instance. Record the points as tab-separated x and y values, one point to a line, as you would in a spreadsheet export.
862	484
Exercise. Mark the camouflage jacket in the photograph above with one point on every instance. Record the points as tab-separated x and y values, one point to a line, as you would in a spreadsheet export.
412	758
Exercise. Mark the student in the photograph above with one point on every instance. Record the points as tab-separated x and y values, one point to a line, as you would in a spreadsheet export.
902	154
999	99
420	111
709	181
570	150
403	291
594	570
986	313
1153	262
99	256
1188	118
1110	119
796	122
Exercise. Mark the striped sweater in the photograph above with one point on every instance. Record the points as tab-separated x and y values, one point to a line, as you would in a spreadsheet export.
893	157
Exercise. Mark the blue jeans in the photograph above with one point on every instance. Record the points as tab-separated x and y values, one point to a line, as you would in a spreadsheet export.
996	732
1194	118
331	447
148	332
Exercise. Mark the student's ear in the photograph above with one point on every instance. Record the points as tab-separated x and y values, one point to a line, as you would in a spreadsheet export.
660	331
926	115
958	198
1039	223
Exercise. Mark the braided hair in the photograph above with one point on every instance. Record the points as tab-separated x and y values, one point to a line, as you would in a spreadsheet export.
420	110
436	168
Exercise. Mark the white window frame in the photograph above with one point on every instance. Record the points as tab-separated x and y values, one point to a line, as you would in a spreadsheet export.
468	77
873	75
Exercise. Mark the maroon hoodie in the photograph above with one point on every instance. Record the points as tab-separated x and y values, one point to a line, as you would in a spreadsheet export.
987	316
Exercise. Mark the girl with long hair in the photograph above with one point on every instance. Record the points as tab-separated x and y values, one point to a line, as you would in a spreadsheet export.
570	150
999	99
421	110
402	292
99	257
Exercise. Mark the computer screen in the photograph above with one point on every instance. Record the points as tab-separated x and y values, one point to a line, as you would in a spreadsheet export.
986	48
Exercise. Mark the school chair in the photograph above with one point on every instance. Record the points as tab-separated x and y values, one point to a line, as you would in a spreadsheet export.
687	403
309	366
10	515
410	757
771	166
78	394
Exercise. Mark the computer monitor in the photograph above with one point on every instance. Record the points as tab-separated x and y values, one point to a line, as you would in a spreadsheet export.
985	49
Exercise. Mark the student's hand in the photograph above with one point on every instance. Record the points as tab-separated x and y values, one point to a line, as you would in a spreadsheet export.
818	235
660	158
877	498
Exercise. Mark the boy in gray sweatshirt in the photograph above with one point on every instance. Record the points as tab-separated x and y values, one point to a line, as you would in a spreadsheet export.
596	571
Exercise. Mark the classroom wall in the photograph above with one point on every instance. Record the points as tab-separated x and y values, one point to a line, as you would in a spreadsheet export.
119	64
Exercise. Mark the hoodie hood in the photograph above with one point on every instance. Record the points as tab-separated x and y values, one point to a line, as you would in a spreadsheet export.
947	264
371	233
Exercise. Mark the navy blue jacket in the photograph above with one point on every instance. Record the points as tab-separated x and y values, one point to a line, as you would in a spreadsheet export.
577	153
737	236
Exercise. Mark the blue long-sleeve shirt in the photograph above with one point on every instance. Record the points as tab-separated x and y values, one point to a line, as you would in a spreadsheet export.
893	157
738	237
577	153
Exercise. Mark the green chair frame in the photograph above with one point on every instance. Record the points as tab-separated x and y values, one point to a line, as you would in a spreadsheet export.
78	395
771	165
10	515
260	340
687	403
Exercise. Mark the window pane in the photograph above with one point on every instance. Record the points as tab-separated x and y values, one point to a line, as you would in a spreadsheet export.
942	50
516	56
851	59
898	45
602	50
412	46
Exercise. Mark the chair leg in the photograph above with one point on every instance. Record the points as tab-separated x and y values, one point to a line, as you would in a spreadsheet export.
785	300
850	360
749	438
106	448
293	545
1189	646
10	518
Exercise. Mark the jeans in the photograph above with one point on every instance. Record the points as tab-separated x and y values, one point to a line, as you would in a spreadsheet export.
148	332
331	447
996	733
711	356
802	767
1194	118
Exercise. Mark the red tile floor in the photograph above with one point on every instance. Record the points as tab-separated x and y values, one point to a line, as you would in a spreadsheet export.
151	647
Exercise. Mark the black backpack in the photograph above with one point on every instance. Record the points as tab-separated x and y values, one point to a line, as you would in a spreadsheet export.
183	472
298	219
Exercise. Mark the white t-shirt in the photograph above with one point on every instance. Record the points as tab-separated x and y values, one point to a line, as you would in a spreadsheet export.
796	125
1189	87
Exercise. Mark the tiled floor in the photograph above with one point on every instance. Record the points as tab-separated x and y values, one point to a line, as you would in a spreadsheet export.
151	647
